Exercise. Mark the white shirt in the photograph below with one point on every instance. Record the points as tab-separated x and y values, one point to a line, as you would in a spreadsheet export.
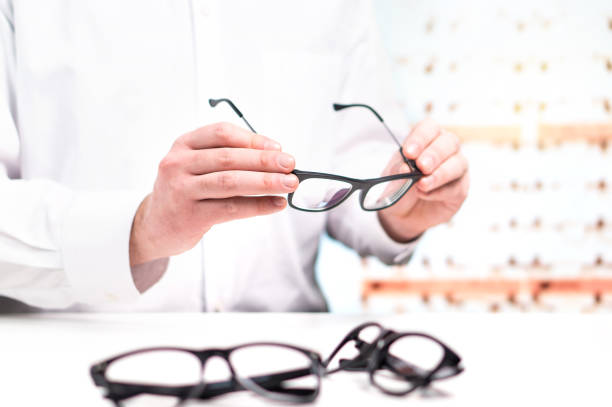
93	94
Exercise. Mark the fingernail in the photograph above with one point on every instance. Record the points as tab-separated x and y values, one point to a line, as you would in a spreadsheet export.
278	201
412	150
290	181
425	183
285	161
426	163
272	145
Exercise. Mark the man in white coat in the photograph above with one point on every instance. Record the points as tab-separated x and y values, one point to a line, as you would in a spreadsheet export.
121	188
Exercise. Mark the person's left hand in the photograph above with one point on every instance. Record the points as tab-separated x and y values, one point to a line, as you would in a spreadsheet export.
439	194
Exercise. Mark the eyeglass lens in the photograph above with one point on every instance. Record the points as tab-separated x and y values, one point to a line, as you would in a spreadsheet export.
397	375
319	194
276	372
156	368
386	193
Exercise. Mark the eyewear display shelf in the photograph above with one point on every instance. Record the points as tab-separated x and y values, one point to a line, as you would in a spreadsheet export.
531	101
509	359
534	235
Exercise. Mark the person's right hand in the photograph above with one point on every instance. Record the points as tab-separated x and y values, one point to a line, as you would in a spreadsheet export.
209	176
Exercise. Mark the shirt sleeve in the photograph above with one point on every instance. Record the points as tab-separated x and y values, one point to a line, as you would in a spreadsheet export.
57	246
363	147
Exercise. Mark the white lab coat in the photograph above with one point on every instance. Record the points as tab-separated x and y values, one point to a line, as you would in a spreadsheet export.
92	95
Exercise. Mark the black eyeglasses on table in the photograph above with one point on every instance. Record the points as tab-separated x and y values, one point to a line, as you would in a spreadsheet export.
318	192
397	363
276	371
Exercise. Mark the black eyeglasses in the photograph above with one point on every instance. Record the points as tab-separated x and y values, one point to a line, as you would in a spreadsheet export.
320	192
397	362
275	371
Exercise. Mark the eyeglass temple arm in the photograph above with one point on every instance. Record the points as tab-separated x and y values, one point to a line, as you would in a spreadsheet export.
391	362
337	106
268	382
353	335
411	163
360	362
215	102
122	391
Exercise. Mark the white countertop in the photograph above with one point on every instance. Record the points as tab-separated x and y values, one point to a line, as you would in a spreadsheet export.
509	359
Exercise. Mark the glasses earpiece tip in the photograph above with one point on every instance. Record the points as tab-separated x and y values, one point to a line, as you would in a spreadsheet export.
337	106
213	102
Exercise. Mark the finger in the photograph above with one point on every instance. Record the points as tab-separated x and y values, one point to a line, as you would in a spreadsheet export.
227	135
450	170
420	137
225	159
454	192
228	184
440	149
396	165
224	210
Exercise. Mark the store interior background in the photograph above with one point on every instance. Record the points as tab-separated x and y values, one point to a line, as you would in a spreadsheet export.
528	87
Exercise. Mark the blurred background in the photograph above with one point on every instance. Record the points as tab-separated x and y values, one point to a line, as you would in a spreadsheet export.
528	88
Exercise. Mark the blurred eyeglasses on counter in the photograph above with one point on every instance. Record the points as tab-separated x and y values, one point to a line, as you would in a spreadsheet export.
397	364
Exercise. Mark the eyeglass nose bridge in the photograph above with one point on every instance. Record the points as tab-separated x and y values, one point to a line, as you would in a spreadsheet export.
212	354
205	357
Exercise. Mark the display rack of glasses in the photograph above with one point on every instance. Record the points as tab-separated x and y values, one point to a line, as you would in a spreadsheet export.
531	101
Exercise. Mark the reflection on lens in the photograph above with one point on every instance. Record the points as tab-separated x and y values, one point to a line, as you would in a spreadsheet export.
409	359
276	372
317	194
393	382
386	193
446	372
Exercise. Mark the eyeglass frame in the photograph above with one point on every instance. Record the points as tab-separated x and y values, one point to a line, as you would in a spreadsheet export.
375	356
119	391
362	185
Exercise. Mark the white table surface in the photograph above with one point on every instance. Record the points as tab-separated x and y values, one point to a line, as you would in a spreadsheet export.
510	359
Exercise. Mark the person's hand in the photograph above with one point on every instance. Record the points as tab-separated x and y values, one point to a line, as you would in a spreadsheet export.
209	176
438	195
